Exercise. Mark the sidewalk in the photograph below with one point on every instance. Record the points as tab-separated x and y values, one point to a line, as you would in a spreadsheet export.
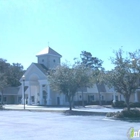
93	109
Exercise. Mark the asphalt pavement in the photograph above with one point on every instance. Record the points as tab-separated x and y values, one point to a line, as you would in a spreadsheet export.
28	125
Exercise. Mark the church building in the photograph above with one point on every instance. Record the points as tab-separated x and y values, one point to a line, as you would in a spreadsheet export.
35	86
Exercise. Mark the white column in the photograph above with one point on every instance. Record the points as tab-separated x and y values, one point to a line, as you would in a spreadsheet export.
114	96
136	97
29	94
48	95
41	95
22	92
120	97
123	98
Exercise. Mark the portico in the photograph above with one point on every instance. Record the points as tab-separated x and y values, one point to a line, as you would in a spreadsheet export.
37	91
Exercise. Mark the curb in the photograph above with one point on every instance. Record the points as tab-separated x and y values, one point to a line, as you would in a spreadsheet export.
66	112
32	110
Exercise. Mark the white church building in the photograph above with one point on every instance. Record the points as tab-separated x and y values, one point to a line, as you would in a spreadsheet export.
37	91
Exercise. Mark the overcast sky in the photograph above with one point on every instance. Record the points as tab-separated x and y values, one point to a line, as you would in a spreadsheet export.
71	26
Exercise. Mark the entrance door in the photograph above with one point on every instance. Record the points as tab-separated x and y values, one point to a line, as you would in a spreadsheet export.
44	97
58	101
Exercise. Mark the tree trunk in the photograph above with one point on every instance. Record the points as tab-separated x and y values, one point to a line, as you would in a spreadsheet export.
2	97
127	102
70	107
70	102
73	105
83	104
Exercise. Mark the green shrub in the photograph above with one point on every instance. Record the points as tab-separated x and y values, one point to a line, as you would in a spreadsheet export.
119	115
119	104
95	102
80	103
1	107
133	113
137	104
110	114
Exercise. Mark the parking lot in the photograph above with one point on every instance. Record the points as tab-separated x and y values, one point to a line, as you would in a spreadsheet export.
28	125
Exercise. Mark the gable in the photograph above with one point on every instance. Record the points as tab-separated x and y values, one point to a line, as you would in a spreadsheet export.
101	87
35	69
92	89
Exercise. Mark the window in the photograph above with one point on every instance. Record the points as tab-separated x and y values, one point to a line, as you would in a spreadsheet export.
33	99
42	60
116	97
0	97
66	98
4	99
90	98
19	100
54	60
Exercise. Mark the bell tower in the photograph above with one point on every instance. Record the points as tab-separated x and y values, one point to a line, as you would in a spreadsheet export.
49	58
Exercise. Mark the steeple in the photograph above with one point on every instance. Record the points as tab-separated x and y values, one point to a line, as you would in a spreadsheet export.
49	57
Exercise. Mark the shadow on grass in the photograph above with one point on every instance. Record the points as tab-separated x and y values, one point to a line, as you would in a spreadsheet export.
83	113
137	119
